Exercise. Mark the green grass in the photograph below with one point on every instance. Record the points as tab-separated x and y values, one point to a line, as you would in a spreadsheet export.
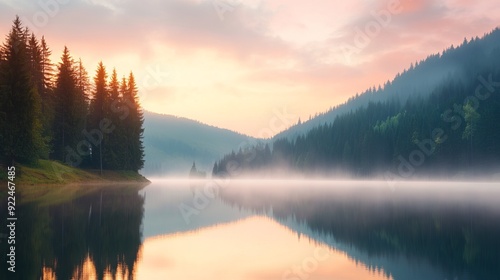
53	172
53	182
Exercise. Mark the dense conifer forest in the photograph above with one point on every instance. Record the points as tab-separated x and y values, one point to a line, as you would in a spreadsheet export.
401	131
55	111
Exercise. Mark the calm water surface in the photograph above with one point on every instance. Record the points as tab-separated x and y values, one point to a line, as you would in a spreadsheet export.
176	229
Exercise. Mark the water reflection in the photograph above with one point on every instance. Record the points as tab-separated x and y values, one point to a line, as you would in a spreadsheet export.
415	231
91	237
163	216
265	230
253	248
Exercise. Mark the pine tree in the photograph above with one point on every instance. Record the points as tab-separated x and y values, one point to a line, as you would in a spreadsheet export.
83	88
114	147
70	109
215	170
193	172
47	69
120	112
114	86
46	89
98	114
20	103
133	127
35	57
38	72
82	80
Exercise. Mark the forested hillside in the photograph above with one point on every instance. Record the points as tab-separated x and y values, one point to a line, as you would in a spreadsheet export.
53	111
172	144
450	124
419	80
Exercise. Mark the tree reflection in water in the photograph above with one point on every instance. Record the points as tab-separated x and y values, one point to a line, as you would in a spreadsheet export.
455	230
89	237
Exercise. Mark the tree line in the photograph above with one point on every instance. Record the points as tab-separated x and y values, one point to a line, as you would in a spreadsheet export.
454	127
56	112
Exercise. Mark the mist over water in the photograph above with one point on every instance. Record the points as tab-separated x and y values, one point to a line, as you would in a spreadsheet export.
404	230
417	189
222	228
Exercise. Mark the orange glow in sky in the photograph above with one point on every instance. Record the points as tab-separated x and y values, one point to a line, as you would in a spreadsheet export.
234	63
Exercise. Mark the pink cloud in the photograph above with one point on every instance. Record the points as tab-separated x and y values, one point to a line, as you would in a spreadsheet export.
289	46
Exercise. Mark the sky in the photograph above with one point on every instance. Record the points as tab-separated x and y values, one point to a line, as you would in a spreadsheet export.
251	66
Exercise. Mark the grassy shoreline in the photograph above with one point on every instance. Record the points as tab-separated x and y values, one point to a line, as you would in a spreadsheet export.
52	182
49	172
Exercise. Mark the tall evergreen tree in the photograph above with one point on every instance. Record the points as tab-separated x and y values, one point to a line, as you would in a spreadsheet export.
82	80
98	113
35	62
120	111
115	140
83	88
40	72
19	101
133	127
70	109
47	68
114	86
46	89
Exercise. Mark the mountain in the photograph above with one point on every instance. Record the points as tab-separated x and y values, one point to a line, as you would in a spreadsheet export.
172	144
439	118
419	80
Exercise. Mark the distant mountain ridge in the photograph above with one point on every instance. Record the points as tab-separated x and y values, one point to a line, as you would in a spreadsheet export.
173	143
418	81
439	118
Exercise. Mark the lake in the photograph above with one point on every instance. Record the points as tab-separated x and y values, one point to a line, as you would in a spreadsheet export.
269	229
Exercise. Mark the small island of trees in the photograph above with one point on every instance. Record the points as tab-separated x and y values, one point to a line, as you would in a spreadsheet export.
195	173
